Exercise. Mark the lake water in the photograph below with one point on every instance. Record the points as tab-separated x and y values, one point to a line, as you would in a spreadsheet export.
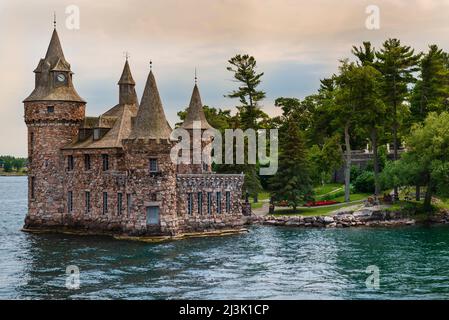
266	263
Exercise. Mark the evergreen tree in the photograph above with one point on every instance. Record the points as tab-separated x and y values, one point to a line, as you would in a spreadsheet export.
397	64
431	91
292	182
249	113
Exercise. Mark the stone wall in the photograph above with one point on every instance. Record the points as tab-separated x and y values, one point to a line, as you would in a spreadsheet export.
49	129
204	184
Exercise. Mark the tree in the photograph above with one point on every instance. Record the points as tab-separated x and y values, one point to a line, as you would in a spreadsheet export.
244	69
397	64
371	111
365	54
292	182
431	91
344	110
325	160
427	158
249	113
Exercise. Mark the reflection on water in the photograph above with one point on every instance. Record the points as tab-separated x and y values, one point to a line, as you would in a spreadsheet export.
266	263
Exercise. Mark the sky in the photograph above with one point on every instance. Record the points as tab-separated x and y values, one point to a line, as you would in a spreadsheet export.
295	42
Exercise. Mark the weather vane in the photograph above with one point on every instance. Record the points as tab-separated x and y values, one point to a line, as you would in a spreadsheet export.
126	55
54	19
196	78
151	65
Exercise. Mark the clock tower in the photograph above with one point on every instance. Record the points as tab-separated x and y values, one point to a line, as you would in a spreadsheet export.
53	114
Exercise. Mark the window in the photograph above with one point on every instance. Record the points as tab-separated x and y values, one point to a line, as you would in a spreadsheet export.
33	182
70	202
129	203
87	200
205	167
153	165
70	163
50	109
153	216
209	203
96	134
105	158
105	202
119	203
218	202
228	201
87	161
200	202
189	203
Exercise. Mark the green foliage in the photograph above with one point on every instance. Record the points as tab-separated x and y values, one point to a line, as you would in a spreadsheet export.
11	164
365	182
324	161
244	68
431	91
292	182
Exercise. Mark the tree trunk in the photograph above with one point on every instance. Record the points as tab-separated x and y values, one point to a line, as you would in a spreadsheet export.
395	135
376	163
428	198
347	164
418	193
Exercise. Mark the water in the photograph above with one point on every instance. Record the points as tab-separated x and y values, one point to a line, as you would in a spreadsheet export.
266	263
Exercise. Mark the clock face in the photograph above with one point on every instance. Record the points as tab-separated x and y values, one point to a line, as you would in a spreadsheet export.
61	77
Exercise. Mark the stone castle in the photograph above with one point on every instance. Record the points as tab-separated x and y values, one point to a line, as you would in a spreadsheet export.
113	173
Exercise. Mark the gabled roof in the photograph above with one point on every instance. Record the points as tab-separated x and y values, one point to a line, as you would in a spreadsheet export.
150	122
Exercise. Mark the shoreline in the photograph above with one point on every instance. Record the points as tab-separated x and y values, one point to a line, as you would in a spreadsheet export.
147	239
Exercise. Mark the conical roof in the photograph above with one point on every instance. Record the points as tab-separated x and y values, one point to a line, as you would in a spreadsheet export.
54	51
150	122
46	89
195	112
126	77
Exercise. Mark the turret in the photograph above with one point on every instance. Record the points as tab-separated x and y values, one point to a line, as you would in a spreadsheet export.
196	121
53	114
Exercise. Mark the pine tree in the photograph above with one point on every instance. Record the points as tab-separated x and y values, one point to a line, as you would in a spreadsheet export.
292	182
431	91
397	64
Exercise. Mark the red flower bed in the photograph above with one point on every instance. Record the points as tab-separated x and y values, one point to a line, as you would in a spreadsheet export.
320	203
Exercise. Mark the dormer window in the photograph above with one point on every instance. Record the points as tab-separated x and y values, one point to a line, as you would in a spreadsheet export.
97	134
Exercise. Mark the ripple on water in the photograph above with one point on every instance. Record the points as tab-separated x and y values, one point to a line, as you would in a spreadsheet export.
266	263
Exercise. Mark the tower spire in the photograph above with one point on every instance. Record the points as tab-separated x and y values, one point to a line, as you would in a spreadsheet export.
196	78
150	122
195	111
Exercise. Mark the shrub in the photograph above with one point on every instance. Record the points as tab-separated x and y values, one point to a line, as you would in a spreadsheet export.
365	182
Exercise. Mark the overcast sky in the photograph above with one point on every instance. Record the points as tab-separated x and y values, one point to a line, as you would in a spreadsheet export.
295	42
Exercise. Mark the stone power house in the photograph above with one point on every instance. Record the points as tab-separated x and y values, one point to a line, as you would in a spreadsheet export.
113	173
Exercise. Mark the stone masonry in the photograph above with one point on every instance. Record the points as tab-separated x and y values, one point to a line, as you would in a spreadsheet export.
113	173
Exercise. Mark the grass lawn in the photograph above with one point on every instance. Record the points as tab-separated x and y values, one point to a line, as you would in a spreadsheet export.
256	205
321	190
354	197
317	211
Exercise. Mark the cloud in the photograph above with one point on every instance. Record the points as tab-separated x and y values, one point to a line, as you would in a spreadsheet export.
295	43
